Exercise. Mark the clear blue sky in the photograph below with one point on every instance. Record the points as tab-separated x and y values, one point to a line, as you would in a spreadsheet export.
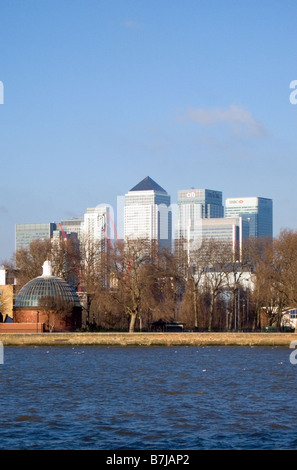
99	94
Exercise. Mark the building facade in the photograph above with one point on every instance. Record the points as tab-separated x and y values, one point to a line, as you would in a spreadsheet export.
208	203
194	207
256	213
7	290
26	233
228	231
71	226
96	227
147	213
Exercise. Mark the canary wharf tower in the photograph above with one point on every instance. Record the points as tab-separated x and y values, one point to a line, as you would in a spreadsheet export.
256	212
147	213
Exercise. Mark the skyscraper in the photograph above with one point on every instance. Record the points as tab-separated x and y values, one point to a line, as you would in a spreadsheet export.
225	230
26	233
71	226
147	213
194	205
256	213
96	227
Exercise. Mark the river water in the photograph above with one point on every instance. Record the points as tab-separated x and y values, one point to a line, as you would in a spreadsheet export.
161	398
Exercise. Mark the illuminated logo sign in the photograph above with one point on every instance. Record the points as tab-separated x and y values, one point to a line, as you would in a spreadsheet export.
236	201
191	194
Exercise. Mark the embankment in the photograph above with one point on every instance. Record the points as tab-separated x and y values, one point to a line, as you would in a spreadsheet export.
148	339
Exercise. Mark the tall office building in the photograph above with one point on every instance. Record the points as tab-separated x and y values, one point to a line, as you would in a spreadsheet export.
96	227
70	230
194	205
26	233
227	230
256	213
71	226
147	213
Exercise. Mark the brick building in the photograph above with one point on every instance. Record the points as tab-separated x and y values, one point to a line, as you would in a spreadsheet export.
48	303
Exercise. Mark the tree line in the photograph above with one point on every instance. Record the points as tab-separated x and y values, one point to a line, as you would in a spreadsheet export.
129	285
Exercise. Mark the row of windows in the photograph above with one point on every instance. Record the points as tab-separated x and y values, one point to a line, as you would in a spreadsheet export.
293	313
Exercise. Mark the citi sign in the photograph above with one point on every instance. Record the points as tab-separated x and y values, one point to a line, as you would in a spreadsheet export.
191	194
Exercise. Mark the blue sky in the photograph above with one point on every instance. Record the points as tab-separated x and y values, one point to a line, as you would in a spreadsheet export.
99	94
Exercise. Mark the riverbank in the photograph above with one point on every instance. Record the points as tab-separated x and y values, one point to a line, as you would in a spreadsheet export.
148	339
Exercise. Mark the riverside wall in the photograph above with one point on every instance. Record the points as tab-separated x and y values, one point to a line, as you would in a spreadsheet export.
148	339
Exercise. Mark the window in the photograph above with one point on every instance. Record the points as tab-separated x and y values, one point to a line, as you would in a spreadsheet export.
293	313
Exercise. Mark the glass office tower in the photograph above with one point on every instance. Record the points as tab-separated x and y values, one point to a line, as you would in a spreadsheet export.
194	205
71	226
256	212
26	233
147	213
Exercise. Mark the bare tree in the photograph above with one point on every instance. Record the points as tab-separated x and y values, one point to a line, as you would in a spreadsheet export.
281	264
165	288
269	295
285	262
128	271
217	257
66	260
29	261
63	254
94	272
196	270
238	274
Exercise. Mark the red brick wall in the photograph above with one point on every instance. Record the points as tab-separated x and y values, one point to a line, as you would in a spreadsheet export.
51	321
21	327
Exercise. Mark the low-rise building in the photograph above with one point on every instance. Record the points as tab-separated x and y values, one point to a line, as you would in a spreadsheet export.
7	290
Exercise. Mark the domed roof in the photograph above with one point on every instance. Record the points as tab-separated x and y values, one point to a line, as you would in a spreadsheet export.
43	286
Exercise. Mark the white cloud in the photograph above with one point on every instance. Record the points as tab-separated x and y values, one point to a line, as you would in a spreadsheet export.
131	24
242	121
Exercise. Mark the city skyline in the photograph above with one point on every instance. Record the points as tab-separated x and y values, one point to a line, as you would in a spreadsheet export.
146	211
97	94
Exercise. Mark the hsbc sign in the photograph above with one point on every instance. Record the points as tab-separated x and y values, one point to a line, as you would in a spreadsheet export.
243	202
236	201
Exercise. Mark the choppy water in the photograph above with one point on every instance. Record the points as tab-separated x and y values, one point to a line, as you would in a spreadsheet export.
164	398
